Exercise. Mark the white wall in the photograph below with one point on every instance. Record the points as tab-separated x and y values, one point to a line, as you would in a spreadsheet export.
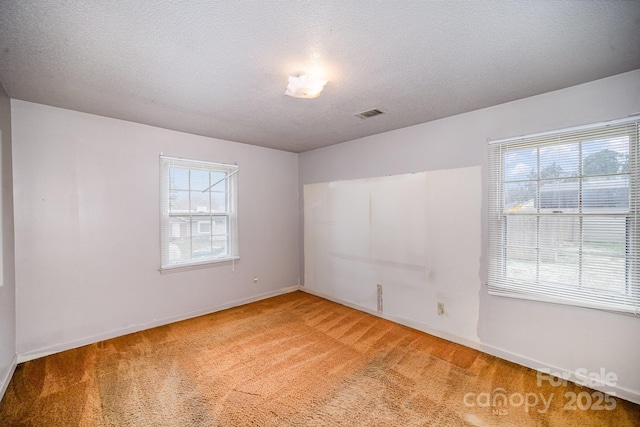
411	234
532	333
87	228
7	274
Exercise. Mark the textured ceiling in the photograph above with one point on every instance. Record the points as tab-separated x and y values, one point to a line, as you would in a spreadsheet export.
219	68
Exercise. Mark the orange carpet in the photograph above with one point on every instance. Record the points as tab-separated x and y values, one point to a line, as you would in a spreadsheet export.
291	360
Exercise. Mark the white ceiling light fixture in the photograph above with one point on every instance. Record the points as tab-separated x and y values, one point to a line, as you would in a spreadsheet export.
304	86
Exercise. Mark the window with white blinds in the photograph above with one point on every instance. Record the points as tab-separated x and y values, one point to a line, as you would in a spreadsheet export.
198	203
564	223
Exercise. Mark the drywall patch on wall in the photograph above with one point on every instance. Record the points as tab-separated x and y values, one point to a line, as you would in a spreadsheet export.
533	333
418	235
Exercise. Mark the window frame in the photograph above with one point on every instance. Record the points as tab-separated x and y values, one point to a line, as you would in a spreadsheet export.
195	216
499	281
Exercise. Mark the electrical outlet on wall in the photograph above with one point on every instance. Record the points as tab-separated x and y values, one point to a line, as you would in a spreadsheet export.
440	308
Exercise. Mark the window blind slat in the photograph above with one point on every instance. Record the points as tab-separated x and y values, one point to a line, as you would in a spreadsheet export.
564	222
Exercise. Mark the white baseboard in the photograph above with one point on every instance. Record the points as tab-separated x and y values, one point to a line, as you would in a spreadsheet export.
401	320
46	351
569	375
4	381
621	392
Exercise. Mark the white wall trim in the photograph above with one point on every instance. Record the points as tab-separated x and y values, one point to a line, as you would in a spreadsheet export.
621	392
46	351
422	327
4	382
536	365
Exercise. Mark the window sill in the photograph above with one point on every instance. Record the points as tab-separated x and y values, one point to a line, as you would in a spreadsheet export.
630	310
198	265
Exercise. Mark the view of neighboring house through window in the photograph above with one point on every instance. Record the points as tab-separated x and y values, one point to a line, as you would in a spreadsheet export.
564	217
198	212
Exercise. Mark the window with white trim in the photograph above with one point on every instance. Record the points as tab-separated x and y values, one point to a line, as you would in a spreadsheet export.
198	204
564	223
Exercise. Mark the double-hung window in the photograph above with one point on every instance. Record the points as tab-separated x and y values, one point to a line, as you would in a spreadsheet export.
564	217
198	204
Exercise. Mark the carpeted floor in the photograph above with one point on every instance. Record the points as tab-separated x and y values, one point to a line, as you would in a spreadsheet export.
291	360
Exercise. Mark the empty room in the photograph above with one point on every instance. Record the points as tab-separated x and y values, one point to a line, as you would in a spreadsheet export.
319	213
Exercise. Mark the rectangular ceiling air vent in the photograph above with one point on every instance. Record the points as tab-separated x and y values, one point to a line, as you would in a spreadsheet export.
369	113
